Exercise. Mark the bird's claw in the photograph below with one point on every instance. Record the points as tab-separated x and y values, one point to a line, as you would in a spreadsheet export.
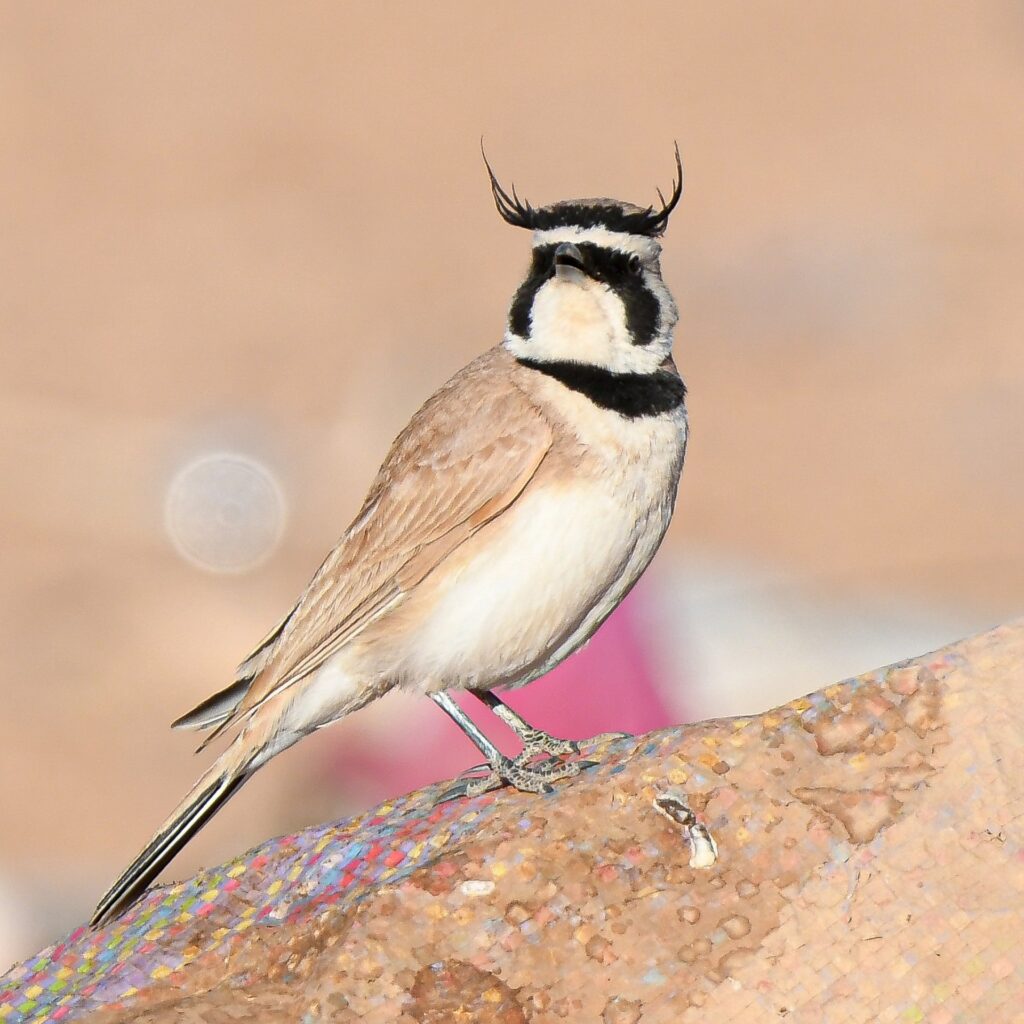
519	772
468	787
601	739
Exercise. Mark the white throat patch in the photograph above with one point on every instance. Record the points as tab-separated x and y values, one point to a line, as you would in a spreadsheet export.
576	318
584	323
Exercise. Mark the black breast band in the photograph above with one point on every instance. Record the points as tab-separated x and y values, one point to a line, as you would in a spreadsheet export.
629	394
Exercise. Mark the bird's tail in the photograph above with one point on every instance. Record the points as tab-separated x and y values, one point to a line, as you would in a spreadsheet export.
212	790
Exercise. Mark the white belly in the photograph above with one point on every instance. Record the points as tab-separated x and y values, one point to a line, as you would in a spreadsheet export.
532	588
537	584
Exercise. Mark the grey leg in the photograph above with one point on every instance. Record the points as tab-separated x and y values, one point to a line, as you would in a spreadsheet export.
517	772
468	726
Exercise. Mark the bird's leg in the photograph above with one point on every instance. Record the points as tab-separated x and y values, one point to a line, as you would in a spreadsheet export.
534	741
518	773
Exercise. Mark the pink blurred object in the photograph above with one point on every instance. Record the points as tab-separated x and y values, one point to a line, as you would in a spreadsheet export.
609	686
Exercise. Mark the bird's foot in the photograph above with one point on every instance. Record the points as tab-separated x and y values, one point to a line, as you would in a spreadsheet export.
602	738
536	742
521	772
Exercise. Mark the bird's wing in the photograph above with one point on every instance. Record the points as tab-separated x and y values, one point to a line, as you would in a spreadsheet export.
463	459
216	708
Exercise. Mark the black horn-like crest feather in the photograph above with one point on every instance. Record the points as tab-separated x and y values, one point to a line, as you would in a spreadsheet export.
512	210
585	213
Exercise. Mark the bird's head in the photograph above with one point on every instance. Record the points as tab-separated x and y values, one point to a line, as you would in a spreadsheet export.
594	292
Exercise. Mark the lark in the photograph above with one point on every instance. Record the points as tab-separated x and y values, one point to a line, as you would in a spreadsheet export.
509	519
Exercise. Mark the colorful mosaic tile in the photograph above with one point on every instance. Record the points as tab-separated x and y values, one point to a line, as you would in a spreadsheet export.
328	865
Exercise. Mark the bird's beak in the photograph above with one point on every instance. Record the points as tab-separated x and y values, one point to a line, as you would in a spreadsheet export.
569	264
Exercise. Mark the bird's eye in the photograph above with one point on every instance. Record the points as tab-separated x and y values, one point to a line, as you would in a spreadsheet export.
636	265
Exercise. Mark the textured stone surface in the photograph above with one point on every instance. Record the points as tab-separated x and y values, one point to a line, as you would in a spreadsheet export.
870	868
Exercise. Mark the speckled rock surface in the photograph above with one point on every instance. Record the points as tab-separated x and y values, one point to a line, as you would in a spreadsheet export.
870	868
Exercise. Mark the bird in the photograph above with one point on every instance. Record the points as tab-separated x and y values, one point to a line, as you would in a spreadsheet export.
510	517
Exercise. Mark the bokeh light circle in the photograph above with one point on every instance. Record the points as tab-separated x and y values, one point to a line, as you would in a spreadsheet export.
225	512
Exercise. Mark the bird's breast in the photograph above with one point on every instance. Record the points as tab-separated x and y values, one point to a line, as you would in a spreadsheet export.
539	578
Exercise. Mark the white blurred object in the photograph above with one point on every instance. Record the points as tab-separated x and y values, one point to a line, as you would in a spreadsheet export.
742	639
225	512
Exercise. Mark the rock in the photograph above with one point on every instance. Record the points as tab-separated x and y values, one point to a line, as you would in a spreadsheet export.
869	858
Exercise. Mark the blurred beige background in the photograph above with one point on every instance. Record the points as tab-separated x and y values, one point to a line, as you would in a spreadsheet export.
265	229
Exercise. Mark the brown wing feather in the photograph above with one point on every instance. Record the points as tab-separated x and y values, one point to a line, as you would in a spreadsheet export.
220	706
263	651
462	460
